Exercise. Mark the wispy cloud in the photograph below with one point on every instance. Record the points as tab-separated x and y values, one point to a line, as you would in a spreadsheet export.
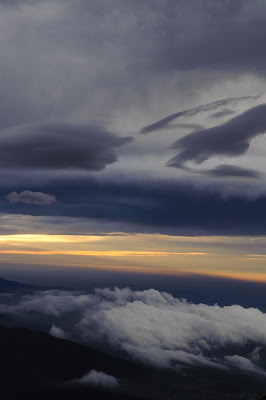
225	170
205	108
229	139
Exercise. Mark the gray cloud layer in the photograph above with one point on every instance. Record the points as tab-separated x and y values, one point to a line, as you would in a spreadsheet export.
121	62
78	54
225	35
58	146
154	327
28	197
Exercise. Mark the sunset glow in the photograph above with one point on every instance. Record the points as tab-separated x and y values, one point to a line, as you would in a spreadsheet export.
161	254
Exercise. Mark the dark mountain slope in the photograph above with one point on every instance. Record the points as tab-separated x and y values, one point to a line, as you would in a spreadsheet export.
7	286
37	365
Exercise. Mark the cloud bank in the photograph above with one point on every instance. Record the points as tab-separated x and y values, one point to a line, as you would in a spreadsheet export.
28	197
156	206
154	327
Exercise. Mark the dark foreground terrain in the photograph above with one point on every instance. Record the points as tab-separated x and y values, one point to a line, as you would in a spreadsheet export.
40	366
35	365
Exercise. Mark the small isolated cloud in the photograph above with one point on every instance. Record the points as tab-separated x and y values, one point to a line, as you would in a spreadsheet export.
58	332
95	378
28	197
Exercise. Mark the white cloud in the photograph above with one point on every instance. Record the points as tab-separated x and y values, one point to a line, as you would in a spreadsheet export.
28	197
52	303
58	332
154	327
96	378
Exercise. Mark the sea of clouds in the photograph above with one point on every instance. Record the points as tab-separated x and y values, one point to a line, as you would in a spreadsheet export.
150	326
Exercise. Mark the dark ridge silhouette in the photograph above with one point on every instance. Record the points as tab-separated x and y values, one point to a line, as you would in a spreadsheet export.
37	365
7	286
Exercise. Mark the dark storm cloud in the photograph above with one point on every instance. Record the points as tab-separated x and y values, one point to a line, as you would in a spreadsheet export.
117	50
194	111
28	197
164	207
233	171
58	146
229	139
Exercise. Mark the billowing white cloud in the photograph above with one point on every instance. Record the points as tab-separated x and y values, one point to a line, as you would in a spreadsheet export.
51	303
96	378
58	332
28	197
154	327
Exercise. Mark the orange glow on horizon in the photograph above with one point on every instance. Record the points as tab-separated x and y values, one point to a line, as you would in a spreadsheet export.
25	238
239	258
113	253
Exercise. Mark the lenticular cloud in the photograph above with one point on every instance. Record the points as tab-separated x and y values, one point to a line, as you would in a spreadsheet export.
154	327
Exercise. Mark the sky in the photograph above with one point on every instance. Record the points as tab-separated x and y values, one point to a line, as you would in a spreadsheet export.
132	136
